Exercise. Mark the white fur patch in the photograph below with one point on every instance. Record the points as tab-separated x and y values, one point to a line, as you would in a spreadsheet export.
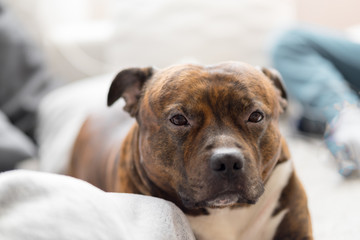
252	223
224	150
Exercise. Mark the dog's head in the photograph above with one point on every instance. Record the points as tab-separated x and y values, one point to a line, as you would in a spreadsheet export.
208	135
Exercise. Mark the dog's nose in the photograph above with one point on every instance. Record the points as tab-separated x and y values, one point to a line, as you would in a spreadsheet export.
227	163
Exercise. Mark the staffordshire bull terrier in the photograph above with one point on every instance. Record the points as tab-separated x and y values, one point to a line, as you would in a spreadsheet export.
205	138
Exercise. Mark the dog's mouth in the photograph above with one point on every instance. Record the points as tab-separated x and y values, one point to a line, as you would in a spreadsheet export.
223	200
226	198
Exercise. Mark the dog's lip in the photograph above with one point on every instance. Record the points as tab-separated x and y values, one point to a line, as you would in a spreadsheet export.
223	200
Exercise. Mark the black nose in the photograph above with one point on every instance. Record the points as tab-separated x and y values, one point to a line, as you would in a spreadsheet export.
227	164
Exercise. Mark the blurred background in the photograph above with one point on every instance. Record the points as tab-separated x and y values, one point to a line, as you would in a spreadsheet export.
83	39
88	37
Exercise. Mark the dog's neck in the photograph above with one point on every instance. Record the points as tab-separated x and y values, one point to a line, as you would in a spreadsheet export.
129	167
138	182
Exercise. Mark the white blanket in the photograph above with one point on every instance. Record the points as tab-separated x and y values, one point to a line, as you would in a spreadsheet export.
38	206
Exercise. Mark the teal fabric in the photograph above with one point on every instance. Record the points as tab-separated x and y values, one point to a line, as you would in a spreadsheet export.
320	68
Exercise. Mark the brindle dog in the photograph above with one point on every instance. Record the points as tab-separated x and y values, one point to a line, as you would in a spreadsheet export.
207	139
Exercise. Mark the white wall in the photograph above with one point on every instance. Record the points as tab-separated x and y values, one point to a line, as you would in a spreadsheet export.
338	14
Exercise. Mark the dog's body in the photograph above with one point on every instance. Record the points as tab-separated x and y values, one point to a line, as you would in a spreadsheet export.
207	139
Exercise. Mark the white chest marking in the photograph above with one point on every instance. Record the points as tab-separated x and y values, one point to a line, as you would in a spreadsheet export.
252	223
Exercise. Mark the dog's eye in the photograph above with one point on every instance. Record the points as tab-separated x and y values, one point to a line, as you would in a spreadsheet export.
256	117
179	120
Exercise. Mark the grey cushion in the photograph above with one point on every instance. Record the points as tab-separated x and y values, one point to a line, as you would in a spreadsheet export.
15	146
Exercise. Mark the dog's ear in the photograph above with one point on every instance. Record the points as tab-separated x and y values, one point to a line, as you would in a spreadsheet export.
276	78
128	84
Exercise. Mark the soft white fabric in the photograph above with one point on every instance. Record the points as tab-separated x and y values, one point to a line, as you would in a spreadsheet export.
37	206
61	114
63	111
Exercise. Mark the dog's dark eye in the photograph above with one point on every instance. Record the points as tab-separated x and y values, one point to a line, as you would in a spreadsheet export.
256	117
179	120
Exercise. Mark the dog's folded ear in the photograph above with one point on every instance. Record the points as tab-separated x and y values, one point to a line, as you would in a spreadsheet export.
276	78
128	84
